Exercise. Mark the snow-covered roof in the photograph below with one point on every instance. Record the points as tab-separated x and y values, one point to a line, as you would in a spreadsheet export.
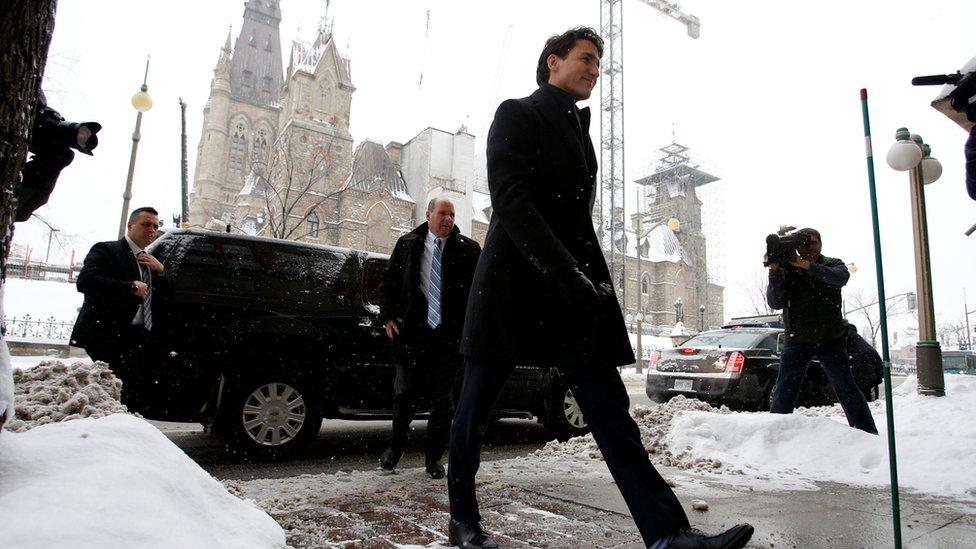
372	169
254	185
480	205
305	56
659	244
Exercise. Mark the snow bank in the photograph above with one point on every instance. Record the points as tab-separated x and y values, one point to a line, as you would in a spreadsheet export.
655	424
935	438
117	482
53	391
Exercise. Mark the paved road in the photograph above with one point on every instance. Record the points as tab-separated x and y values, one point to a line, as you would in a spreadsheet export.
357	445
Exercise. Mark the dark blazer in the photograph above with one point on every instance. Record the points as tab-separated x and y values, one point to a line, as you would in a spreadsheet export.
401	297
542	178
106	280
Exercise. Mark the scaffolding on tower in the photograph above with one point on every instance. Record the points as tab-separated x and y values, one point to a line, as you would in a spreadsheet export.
609	208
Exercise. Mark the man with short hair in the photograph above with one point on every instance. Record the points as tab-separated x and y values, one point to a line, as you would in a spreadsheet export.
424	294
808	289
118	279
542	295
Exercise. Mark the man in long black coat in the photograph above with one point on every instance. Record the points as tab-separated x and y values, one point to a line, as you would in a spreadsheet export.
542	294
424	297
118	279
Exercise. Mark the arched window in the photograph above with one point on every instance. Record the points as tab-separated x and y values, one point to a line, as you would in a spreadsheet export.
238	149
260	149
645	283
312	224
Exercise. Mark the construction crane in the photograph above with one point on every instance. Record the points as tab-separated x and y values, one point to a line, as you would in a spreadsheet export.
608	214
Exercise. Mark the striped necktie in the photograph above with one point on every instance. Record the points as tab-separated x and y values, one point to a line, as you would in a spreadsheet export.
146	275
434	287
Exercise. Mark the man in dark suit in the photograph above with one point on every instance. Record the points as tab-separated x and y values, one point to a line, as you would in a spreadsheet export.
542	294
424	296
118	279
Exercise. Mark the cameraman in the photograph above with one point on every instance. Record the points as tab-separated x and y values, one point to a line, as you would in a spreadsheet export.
808	289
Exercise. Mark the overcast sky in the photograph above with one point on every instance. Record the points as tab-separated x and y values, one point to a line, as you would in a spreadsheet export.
767	99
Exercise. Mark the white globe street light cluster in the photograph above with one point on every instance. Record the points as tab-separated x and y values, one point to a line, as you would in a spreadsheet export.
909	151
910	154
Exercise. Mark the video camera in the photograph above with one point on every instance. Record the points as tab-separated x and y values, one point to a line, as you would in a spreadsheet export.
51	142
781	247
963	98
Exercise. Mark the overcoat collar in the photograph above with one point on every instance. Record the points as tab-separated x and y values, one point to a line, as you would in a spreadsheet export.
559	116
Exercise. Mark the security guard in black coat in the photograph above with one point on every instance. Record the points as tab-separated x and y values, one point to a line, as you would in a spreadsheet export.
424	297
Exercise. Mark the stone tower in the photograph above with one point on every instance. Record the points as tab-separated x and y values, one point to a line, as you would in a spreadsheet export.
240	120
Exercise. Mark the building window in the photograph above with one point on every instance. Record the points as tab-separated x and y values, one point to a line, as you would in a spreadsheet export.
238	149
313	225
645	284
260	149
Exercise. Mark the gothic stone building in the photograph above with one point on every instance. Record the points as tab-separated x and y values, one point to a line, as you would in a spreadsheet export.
276	157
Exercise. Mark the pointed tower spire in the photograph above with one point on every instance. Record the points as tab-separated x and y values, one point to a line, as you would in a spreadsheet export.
227	43
221	79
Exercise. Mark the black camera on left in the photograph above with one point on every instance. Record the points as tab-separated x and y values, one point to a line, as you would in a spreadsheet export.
51	142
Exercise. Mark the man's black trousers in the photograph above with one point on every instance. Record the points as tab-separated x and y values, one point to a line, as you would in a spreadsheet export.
603	399
425	379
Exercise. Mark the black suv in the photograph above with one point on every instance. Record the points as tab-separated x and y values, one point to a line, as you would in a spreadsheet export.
737	366
260	339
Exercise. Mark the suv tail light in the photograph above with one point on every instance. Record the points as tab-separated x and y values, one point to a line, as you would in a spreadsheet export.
735	362
652	361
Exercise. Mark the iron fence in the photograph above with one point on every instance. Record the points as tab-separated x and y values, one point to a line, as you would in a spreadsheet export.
28	328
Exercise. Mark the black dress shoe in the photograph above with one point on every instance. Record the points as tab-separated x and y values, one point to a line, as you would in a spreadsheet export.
434	469
733	538
468	536
389	459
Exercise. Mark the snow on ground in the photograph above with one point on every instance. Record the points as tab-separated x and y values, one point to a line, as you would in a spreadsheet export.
935	437
117	482
41	299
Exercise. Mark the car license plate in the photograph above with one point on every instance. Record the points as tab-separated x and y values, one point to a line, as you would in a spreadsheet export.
683	384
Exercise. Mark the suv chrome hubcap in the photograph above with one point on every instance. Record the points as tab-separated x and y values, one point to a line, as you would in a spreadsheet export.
273	414
572	411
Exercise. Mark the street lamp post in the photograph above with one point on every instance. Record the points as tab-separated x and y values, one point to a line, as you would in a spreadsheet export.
701	314
910	154
142	103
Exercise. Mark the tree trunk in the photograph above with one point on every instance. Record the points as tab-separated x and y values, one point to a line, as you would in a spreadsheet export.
25	35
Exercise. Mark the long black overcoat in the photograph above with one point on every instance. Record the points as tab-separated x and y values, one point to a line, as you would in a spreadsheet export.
542	178
402	298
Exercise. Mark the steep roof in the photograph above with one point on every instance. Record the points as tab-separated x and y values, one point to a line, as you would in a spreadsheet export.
372	169
305	56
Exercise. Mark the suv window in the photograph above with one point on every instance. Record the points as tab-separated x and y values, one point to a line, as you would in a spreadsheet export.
196	264
737	340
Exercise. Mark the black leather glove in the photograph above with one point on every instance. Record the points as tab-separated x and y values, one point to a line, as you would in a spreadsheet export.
580	294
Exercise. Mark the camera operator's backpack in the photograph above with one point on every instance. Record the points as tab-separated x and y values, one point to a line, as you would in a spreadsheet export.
866	364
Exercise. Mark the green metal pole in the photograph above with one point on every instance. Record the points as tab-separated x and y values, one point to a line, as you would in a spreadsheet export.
889	409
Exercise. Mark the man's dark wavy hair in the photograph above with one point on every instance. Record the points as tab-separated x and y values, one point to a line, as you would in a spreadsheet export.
561	44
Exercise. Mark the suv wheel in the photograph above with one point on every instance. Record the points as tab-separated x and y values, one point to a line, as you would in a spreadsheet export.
565	416
270	419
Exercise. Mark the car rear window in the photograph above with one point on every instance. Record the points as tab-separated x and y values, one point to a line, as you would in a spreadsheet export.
737	340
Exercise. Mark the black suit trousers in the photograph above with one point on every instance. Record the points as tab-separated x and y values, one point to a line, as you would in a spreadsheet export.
603	399
425	377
